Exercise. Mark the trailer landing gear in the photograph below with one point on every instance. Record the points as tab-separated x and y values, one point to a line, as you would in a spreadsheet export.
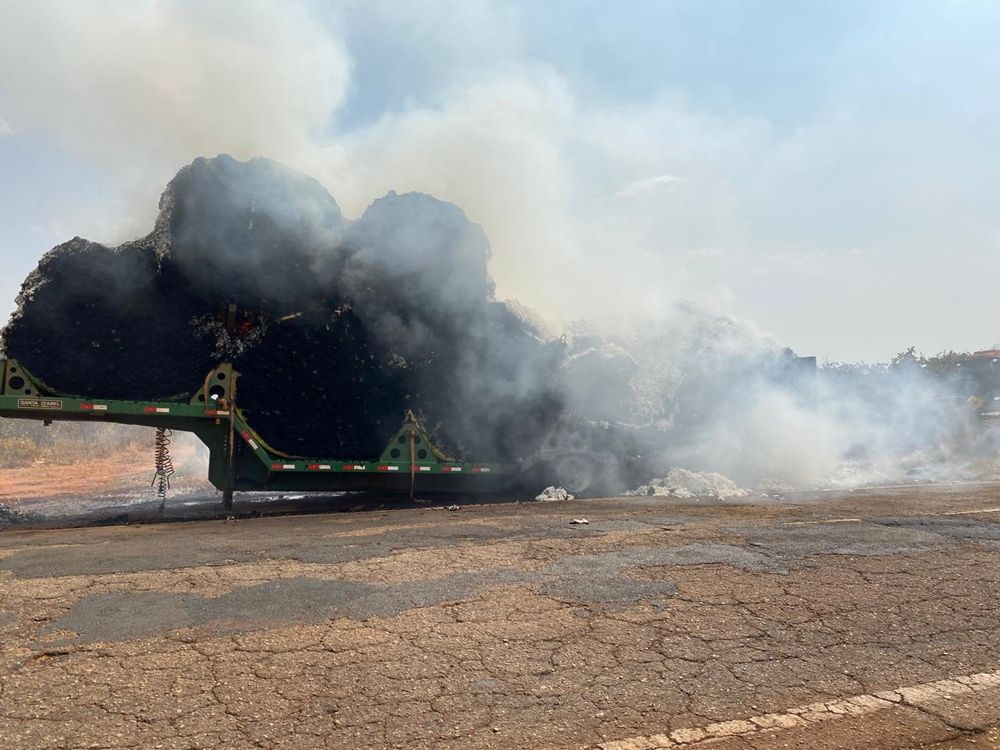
227	493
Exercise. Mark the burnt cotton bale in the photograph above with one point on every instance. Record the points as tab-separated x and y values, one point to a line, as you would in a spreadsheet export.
110	322
340	325
255	231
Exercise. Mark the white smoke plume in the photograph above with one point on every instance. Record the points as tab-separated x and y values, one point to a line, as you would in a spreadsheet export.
595	210
137	90
164	81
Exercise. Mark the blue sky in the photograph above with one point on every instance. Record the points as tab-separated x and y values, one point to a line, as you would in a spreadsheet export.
731	57
825	170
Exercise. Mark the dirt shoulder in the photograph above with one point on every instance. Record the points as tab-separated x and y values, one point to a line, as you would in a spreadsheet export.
72	486
89	477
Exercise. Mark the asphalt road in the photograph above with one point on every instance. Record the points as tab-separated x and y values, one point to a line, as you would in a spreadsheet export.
859	620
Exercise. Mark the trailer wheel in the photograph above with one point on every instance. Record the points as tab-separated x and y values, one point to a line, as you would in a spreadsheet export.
574	473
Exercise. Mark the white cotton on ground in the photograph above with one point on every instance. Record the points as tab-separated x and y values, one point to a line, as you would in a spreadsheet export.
552	494
683	483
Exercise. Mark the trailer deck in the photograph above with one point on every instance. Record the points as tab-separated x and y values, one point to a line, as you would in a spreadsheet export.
240	459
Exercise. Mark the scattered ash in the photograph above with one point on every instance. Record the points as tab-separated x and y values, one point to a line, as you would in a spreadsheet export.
10	517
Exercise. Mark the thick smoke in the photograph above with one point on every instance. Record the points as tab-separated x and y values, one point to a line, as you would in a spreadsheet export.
343	325
713	394
846	425
338	327
595	211
595	207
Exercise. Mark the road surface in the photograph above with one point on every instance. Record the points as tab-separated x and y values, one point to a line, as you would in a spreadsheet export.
868	619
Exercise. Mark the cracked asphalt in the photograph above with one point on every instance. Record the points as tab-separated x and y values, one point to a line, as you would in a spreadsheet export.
867	619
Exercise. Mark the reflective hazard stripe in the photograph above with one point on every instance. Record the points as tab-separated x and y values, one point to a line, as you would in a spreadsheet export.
94	407
282	467
319	467
156	409
246	436
480	469
451	469
423	468
353	467
387	467
216	413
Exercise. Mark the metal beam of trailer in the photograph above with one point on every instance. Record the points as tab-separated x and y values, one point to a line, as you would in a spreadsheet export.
240	459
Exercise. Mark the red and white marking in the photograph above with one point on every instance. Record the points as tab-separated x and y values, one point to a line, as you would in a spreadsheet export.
282	467
353	467
250	440
156	409
480	469
94	407
451	469
320	467
387	467
423	468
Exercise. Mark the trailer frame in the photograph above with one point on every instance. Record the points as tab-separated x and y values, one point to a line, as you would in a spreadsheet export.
240	459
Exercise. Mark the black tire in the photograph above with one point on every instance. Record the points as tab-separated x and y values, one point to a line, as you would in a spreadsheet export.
575	473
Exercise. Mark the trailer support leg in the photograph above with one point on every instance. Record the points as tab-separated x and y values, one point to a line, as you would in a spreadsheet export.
227	493
413	463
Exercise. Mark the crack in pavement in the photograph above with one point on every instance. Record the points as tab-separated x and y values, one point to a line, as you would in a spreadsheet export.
549	636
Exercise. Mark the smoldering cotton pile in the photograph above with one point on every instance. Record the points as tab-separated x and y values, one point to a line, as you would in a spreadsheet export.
341	327
553	494
687	484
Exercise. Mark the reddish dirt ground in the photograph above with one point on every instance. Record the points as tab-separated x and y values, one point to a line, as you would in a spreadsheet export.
70	486
95	476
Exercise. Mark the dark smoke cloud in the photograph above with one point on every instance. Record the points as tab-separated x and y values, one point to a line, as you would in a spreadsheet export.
349	323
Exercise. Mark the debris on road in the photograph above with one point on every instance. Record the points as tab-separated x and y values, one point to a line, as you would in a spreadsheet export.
580	521
553	494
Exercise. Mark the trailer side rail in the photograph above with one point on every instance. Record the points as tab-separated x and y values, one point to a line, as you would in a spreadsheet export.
239	457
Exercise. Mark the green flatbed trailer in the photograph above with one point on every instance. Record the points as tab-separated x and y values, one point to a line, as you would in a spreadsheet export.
241	460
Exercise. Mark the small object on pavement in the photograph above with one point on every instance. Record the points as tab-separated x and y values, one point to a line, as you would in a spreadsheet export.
580	521
453	507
